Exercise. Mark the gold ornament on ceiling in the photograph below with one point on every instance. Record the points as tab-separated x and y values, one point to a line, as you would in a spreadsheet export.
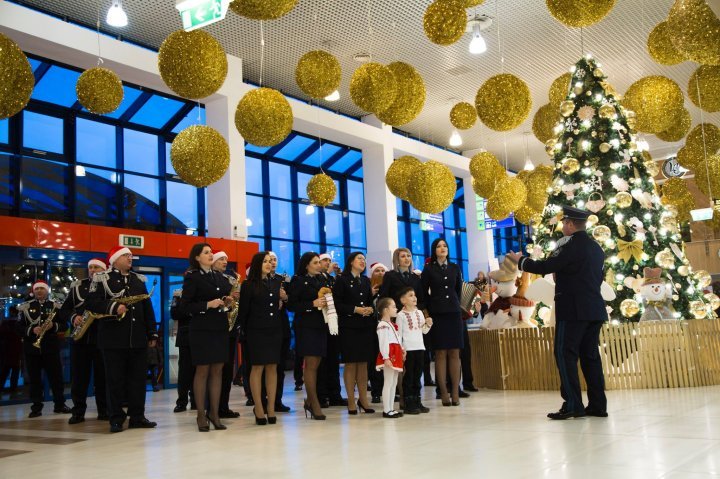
707	176
695	31
525	214
486	171
495	210
703	139
544	122
688	158
656	100
321	190
262	9
661	48
629	308
200	155
444	21
678	129
99	90
579	13
510	194
433	188
318	74
537	184
675	193
463	115
410	97
16	78
705	81
192	64
503	102
373	87
472	3
400	173
264	117
559	89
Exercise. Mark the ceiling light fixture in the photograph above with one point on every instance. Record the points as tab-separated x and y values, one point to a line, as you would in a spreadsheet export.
529	166
455	139
477	24
116	16
642	144
334	96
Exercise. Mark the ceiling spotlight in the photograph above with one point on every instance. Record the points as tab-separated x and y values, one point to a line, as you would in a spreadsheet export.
362	57
455	139
116	16
477	24
334	96
529	166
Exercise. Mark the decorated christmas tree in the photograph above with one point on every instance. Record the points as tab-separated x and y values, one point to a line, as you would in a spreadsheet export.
598	167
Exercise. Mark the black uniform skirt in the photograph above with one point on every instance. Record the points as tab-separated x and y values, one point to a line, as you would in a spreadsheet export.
208	347
356	344
447	331
311	341
264	346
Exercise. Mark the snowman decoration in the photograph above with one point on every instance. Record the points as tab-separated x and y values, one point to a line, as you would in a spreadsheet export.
656	297
503	284
522	308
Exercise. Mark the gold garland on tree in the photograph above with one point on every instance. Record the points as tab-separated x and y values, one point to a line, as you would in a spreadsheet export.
200	155
400	173
99	90
433	188
16	78
678	129
321	190
410	97
445	21
706	79
656	100
503	102
318	74
544	122
192	64
264	117
661	48
463	115
559	89
262	9
695	31
579	13
373	87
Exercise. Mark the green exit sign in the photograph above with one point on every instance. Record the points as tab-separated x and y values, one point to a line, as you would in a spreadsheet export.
131	241
200	13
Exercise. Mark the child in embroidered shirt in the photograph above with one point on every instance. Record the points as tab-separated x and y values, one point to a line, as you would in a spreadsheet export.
412	325
391	356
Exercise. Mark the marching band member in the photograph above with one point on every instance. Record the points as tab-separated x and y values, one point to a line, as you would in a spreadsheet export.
285	346
186	371
329	370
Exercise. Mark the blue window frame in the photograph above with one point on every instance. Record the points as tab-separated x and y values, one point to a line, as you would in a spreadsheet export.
157	111
43	132
4	133
96	143
295	147
321	154
195	117
57	86
130	94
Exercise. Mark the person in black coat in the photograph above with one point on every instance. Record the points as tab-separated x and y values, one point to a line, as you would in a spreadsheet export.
123	338
328	386
311	329
442	285
353	299
186	371
285	320
206	297
577	263
85	357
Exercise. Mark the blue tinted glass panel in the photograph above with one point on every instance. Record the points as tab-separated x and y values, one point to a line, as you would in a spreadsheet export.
336	200
95	143
255	217
461	214
460	193
279	176
308	220
157	111
141	152
402	239
42	132
7	186
356	196
305	247
286	256
465	271
463	244
338	255
414	214
253	175
140	200
256	149
418	242
169	170
259	240
399	207
321	155
357	230
348	160
418	261
334	227
44	187
4	131
358	174
294	148
195	117
129	96
57	86
281	220
303	180
431	237
449	218
182	206
34	64
96	194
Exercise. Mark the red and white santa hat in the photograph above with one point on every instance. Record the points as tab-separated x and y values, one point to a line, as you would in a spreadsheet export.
325	256
219	254
98	262
116	252
272	253
375	266
40	284
247	269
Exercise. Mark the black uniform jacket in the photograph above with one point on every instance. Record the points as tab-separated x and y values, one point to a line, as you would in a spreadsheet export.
260	306
34	313
394	281
182	339
75	305
137	326
349	292
442	288
578	266
199	287
303	291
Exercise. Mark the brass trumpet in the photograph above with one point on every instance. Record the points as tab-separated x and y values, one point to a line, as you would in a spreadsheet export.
88	318
44	328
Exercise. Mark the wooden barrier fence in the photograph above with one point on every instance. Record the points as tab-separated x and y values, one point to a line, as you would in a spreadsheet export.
634	355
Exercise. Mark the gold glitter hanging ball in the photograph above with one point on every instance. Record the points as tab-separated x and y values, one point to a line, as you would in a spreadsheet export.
486	171
318	74
559	89
706	79
16	78
695	31
674	188
629	308
688	158
656	100
567	108
99	90
495	210
400	173
698	309
707	176
544	122
704	138
321	190
503	102
579	13
444	21
537	185
472	3
703	278
678	129
373	87
661	48
525	214
601	233
264	117
262	9
200	155
510	194
192	64
433	188
410	97
463	115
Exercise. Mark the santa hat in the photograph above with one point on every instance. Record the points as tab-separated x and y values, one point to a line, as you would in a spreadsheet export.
652	276
98	262
428	260
40	284
247	269
116	252
375	266
325	256
272	253
219	254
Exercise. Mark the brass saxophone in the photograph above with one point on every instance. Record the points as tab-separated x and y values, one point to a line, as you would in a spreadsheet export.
128	300
45	327
88	318
232	314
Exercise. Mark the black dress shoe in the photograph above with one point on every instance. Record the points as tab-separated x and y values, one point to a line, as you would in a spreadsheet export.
143	423
595	412
561	415
180	409
429	383
392	414
249	402
76	419
376	400
338	401
324	403
463	394
280	407
116	427
472	389
229	414
35	414
103	416
62	409
298	388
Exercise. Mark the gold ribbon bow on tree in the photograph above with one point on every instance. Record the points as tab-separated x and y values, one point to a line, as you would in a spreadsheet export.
628	249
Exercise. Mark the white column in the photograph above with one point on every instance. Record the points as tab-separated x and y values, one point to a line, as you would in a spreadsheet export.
481	248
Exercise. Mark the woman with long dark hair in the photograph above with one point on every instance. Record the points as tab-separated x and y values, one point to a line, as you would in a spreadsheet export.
353	297
442	285
205	297
259	316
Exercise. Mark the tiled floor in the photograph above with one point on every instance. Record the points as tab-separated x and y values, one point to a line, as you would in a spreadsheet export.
666	433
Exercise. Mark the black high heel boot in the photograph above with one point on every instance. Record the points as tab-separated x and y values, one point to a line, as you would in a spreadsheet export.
203	425
317	417
364	409
216	424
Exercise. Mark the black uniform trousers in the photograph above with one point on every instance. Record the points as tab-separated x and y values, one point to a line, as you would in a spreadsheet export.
186	373
228	372
125	372
328	383
377	379
413	371
427	360
50	362
466	359
87	358
573	340
281	370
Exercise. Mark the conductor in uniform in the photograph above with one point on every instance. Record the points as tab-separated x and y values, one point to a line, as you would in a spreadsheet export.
577	263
